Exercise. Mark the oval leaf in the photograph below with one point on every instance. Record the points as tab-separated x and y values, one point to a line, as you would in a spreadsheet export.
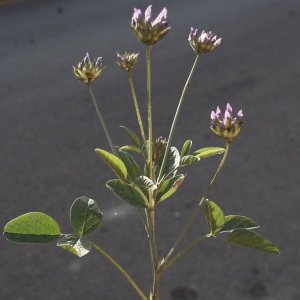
131	148
186	148
172	163
133	169
188	160
145	182
207	152
235	222
74	244
114	163
132	136
214	216
32	228
169	187
251	239
126	193
85	215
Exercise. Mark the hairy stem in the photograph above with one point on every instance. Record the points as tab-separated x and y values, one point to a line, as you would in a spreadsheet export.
149	106
136	106
102	121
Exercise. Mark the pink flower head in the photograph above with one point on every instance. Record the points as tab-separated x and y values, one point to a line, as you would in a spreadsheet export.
226	126
204	43
148	31
87	71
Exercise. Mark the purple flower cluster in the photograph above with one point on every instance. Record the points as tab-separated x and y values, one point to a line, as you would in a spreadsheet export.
87	71
226	126
204	43
148	31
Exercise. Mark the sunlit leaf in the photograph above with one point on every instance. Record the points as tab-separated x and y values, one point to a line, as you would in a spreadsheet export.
145	182
235	222
133	170
85	215
214	217
186	148
251	239
131	148
114	163
74	244
32	228
126	193
188	160
207	152
172	163
132	135
169	187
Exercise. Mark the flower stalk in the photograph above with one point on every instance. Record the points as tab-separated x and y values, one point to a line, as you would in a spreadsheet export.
137	110
102	121
172	130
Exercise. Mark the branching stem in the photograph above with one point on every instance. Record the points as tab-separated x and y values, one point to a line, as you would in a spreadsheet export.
191	220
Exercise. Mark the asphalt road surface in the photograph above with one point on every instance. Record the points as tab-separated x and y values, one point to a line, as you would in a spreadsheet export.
49	130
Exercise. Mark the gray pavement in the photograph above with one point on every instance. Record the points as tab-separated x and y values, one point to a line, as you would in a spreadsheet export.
49	129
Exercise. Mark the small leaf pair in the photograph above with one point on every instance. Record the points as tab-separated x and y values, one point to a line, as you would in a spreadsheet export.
188	159
239	228
85	217
39	228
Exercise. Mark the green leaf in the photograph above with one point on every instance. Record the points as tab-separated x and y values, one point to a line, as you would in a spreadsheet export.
133	170
114	163
145	182
207	152
74	244
85	215
235	222
188	160
186	148
251	239
132	136
214	217
131	148
169	187
32	228
172	163
126	193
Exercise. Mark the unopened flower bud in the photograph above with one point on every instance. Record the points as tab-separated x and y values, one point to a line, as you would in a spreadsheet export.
203	43
226	126
127	61
148	31
87	71
158	149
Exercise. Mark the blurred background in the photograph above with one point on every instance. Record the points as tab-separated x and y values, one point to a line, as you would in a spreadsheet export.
49	130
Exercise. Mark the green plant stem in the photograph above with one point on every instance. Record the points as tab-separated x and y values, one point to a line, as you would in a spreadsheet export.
150	245
102	122
136	106
186	86
153	249
191	220
189	246
109	258
149	107
152	236
151	212
156	285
